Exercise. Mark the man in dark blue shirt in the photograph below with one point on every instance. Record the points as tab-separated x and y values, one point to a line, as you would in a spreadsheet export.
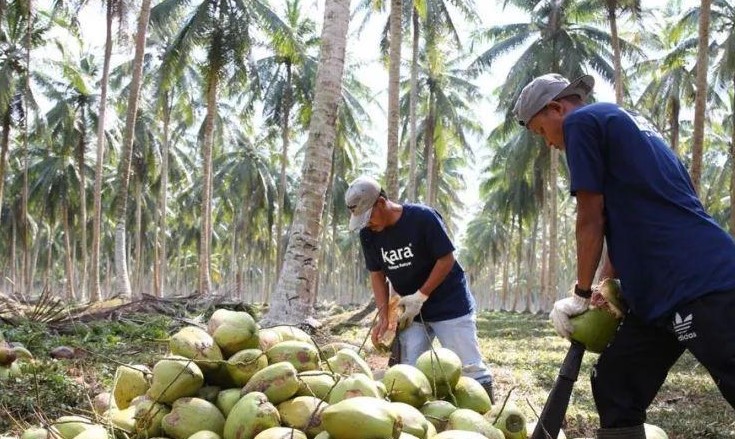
675	264
408	244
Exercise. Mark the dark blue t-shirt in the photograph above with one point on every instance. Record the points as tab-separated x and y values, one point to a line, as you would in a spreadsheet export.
407	251
665	248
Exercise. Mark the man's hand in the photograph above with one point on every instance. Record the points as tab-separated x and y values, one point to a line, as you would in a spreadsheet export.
411	307
380	327
563	310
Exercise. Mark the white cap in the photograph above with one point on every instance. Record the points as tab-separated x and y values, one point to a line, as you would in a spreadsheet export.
360	199
544	89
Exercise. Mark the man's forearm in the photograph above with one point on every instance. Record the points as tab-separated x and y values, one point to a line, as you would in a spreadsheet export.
380	291
441	269
590	231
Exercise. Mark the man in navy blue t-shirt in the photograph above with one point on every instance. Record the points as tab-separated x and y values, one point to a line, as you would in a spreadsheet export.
675	264
408	244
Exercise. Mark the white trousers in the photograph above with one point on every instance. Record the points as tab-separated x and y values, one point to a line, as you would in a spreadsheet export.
459	335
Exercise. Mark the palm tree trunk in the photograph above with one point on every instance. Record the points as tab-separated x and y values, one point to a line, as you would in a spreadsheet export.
394	78
732	164
412	103
674	124
284	165
95	294
206	227
612	6
138	275
67	257
81	152
294	298
430	153
4	143
26	275
121	265
159	265
700	100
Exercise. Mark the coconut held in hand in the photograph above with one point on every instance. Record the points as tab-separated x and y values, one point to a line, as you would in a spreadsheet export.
596	327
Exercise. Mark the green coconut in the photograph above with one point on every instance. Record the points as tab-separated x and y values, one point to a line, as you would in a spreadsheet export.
281	433
361	418
510	421
4	373
278	382
251	415
67	427
244	364
130	382
303	413
442	367
189	415
292	333
195	343
226	399
470	420
437	412
233	331
461	434
303	355
323	435
204	434
35	433
21	353
267	338
315	383
470	394
149	418
331	349
413	420
174	378
407	384
654	432
348	362
7	354
94	432
123	419
594	328
353	386
405	435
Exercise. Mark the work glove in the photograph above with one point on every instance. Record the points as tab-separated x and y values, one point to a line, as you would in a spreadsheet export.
563	310
411	307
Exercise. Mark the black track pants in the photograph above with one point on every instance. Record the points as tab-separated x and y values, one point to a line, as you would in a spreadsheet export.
631	370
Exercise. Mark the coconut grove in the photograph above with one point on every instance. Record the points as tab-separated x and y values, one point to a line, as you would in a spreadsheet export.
234	219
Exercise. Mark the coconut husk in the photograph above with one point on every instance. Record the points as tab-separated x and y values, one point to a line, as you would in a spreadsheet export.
394	313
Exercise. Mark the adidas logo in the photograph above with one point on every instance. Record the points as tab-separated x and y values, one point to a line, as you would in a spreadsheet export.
681	327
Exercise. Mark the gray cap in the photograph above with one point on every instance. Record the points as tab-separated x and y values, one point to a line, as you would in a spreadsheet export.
360	199
544	89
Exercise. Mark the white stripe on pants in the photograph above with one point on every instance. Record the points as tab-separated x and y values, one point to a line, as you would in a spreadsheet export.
459	335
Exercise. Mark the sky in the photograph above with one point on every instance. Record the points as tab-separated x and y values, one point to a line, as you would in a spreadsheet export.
363	49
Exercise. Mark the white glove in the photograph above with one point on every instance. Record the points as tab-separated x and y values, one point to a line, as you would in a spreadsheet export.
563	310
411	307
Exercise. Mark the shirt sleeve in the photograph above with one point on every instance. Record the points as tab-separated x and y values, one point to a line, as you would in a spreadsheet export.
583	140
437	239
371	261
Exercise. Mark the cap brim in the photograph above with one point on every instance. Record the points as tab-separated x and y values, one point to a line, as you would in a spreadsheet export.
581	87
357	222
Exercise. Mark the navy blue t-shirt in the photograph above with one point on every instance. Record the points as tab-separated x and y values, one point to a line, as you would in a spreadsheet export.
665	248
407	252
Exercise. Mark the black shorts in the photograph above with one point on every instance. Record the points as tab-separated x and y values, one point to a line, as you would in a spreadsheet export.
631	370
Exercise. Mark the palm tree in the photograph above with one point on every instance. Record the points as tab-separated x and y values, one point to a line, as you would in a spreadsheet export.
294	297
612	6
394	78
72	119
123	173
557	38
222	28
700	101
670	81
285	80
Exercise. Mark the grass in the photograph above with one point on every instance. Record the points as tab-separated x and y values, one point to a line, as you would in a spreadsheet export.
522	350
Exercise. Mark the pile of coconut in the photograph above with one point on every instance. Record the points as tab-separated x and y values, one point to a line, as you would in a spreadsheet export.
237	381
10	356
